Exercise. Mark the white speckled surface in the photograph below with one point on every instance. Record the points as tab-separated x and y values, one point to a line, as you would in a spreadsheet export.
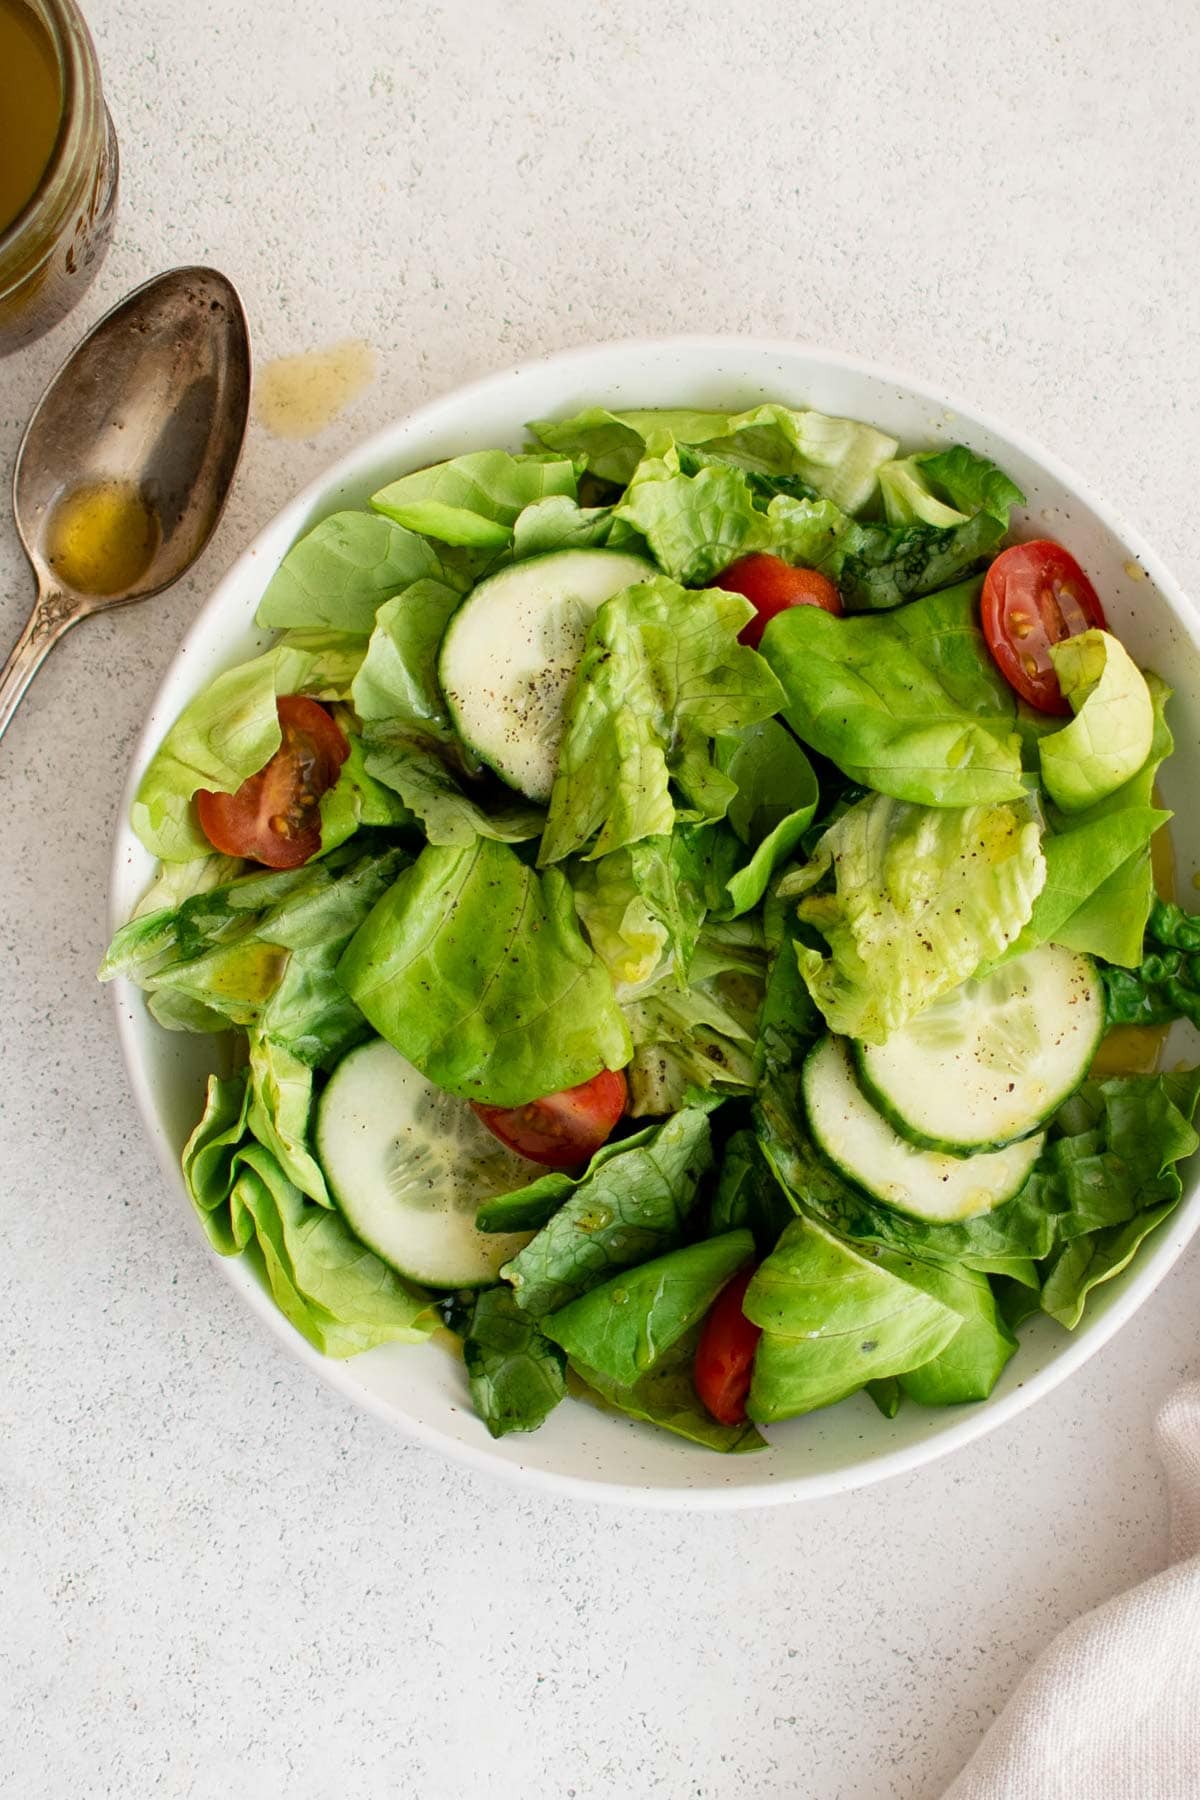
218	1579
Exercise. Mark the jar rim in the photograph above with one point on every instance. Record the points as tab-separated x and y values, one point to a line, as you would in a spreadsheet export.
74	50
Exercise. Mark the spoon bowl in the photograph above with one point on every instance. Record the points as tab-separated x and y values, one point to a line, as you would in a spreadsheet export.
128	458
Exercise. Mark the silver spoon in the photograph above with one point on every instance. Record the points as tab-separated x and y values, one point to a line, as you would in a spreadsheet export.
127	460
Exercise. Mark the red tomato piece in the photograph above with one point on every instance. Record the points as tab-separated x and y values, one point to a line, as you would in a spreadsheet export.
771	586
1035	595
561	1130
274	817
725	1354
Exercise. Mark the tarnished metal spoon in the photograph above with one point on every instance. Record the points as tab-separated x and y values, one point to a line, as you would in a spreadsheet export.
125	465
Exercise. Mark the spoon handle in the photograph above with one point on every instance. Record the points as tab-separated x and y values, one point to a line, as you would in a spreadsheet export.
50	618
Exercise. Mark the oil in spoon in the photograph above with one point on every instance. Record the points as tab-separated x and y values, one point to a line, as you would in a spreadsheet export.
102	537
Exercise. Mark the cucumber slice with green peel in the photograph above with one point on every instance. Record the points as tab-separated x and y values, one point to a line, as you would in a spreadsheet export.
409	1167
511	650
991	1061
860	1143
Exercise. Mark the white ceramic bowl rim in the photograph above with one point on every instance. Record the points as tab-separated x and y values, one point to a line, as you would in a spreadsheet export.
1154	1260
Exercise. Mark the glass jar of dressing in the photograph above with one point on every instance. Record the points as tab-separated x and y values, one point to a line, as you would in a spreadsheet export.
58	166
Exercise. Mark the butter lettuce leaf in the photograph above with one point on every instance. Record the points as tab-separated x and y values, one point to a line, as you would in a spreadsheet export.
623	1327
338	1295
695	525
1166	983
774	805
833	1319
473	966
517	1375
633	1205
643	906
747	1196
453	807
1113	1166
921	897
397	680
946	488
661	675
666	1396
1099	882
837	458
909	702
340	573
971	1364
559	523
230	730
475	500
701	1036
1110	737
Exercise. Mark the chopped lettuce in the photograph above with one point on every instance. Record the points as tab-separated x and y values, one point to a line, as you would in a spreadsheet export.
921	897
907	702
661	675
833	1319
474	500
472	965
1109	738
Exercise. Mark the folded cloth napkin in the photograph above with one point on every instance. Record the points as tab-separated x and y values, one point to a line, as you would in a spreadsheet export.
1111	1711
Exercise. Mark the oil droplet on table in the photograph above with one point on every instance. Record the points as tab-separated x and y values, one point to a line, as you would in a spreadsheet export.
101	538
297	396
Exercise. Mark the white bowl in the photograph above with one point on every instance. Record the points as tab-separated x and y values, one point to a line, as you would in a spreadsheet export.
422	1389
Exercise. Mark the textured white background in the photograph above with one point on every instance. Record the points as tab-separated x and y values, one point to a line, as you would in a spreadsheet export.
218	1581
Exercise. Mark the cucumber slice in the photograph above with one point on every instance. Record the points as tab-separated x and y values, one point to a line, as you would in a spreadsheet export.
926	1183
510	653
991	1061
409	1166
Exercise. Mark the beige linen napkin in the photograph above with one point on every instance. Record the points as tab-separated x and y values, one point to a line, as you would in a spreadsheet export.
1111	1711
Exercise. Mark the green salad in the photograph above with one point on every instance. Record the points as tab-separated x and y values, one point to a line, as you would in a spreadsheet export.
679	908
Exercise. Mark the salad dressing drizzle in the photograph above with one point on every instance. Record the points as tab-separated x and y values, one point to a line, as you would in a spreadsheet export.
298	396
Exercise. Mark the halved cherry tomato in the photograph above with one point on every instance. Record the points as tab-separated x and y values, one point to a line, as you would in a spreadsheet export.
1035	595
725	1354
561	1130
274	817
771	585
